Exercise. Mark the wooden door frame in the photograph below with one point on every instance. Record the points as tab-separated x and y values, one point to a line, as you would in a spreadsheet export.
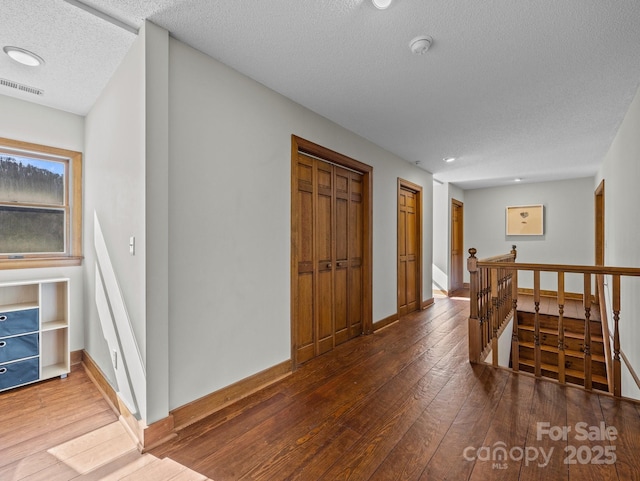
419	197
459	204
599	224
301	145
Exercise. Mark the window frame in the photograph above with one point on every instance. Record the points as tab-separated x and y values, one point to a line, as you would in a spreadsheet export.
73	207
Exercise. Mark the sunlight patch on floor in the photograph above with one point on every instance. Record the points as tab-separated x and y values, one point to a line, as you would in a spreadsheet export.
109	454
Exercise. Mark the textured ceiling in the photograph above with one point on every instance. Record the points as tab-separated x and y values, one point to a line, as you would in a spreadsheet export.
513	88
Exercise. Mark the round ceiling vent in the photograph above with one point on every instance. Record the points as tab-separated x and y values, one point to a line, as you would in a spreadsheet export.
421	44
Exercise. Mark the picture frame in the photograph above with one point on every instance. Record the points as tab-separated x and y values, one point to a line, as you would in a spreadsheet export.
525	220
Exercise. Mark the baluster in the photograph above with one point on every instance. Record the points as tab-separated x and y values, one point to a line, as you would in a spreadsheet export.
617	370
495	316
483	308
561	346
587	332
506	305
487	309
507	292
515	340
537	356
499	294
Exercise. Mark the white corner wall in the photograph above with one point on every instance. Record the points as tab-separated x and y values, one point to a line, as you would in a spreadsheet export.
621	173
229	219
157	219
126	185
34	123
115	191
568	226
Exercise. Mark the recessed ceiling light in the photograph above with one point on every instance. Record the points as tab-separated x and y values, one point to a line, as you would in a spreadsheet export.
381	4
23	56
448	160
517	179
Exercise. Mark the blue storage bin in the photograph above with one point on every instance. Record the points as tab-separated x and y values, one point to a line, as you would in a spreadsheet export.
18	322
19	372
12	348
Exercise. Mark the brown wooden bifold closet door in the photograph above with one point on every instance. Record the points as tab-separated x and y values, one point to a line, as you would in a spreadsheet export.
329	256
409	281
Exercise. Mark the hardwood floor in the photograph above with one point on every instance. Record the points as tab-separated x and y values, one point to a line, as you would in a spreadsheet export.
403	403
62	430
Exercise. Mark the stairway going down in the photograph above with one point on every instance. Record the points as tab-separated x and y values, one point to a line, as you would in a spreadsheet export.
574	327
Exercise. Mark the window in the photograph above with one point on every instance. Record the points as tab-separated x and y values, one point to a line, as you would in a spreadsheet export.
40	206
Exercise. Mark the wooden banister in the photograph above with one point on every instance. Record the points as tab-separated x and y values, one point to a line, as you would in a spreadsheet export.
491	303
494	300
619	271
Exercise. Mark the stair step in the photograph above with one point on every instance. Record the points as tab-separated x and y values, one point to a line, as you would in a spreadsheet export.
554	332
567	352
574	312
568	372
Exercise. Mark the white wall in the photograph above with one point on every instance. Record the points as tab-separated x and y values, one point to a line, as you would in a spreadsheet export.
621	172
442	196
193	159
157	219
115	191
568	225
33	123
229	216
441	230
126	183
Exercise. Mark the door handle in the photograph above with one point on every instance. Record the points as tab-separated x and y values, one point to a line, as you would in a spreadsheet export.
329	265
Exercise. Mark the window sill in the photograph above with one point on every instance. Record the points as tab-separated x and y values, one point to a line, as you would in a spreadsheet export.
39	262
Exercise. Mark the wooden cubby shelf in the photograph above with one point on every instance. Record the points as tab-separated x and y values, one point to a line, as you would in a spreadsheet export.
34	331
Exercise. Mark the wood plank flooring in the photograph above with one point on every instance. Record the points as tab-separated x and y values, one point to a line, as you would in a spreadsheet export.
406	404
62	430
401	404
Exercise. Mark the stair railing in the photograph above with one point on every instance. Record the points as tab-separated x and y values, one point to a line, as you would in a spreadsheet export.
490	279
491	300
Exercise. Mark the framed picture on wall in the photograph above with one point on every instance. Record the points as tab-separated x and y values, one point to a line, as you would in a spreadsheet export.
525	220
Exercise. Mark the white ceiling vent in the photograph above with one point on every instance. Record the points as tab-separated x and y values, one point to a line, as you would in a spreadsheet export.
24	88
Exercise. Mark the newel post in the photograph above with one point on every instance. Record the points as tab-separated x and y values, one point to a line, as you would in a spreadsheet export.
514	252
475	336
